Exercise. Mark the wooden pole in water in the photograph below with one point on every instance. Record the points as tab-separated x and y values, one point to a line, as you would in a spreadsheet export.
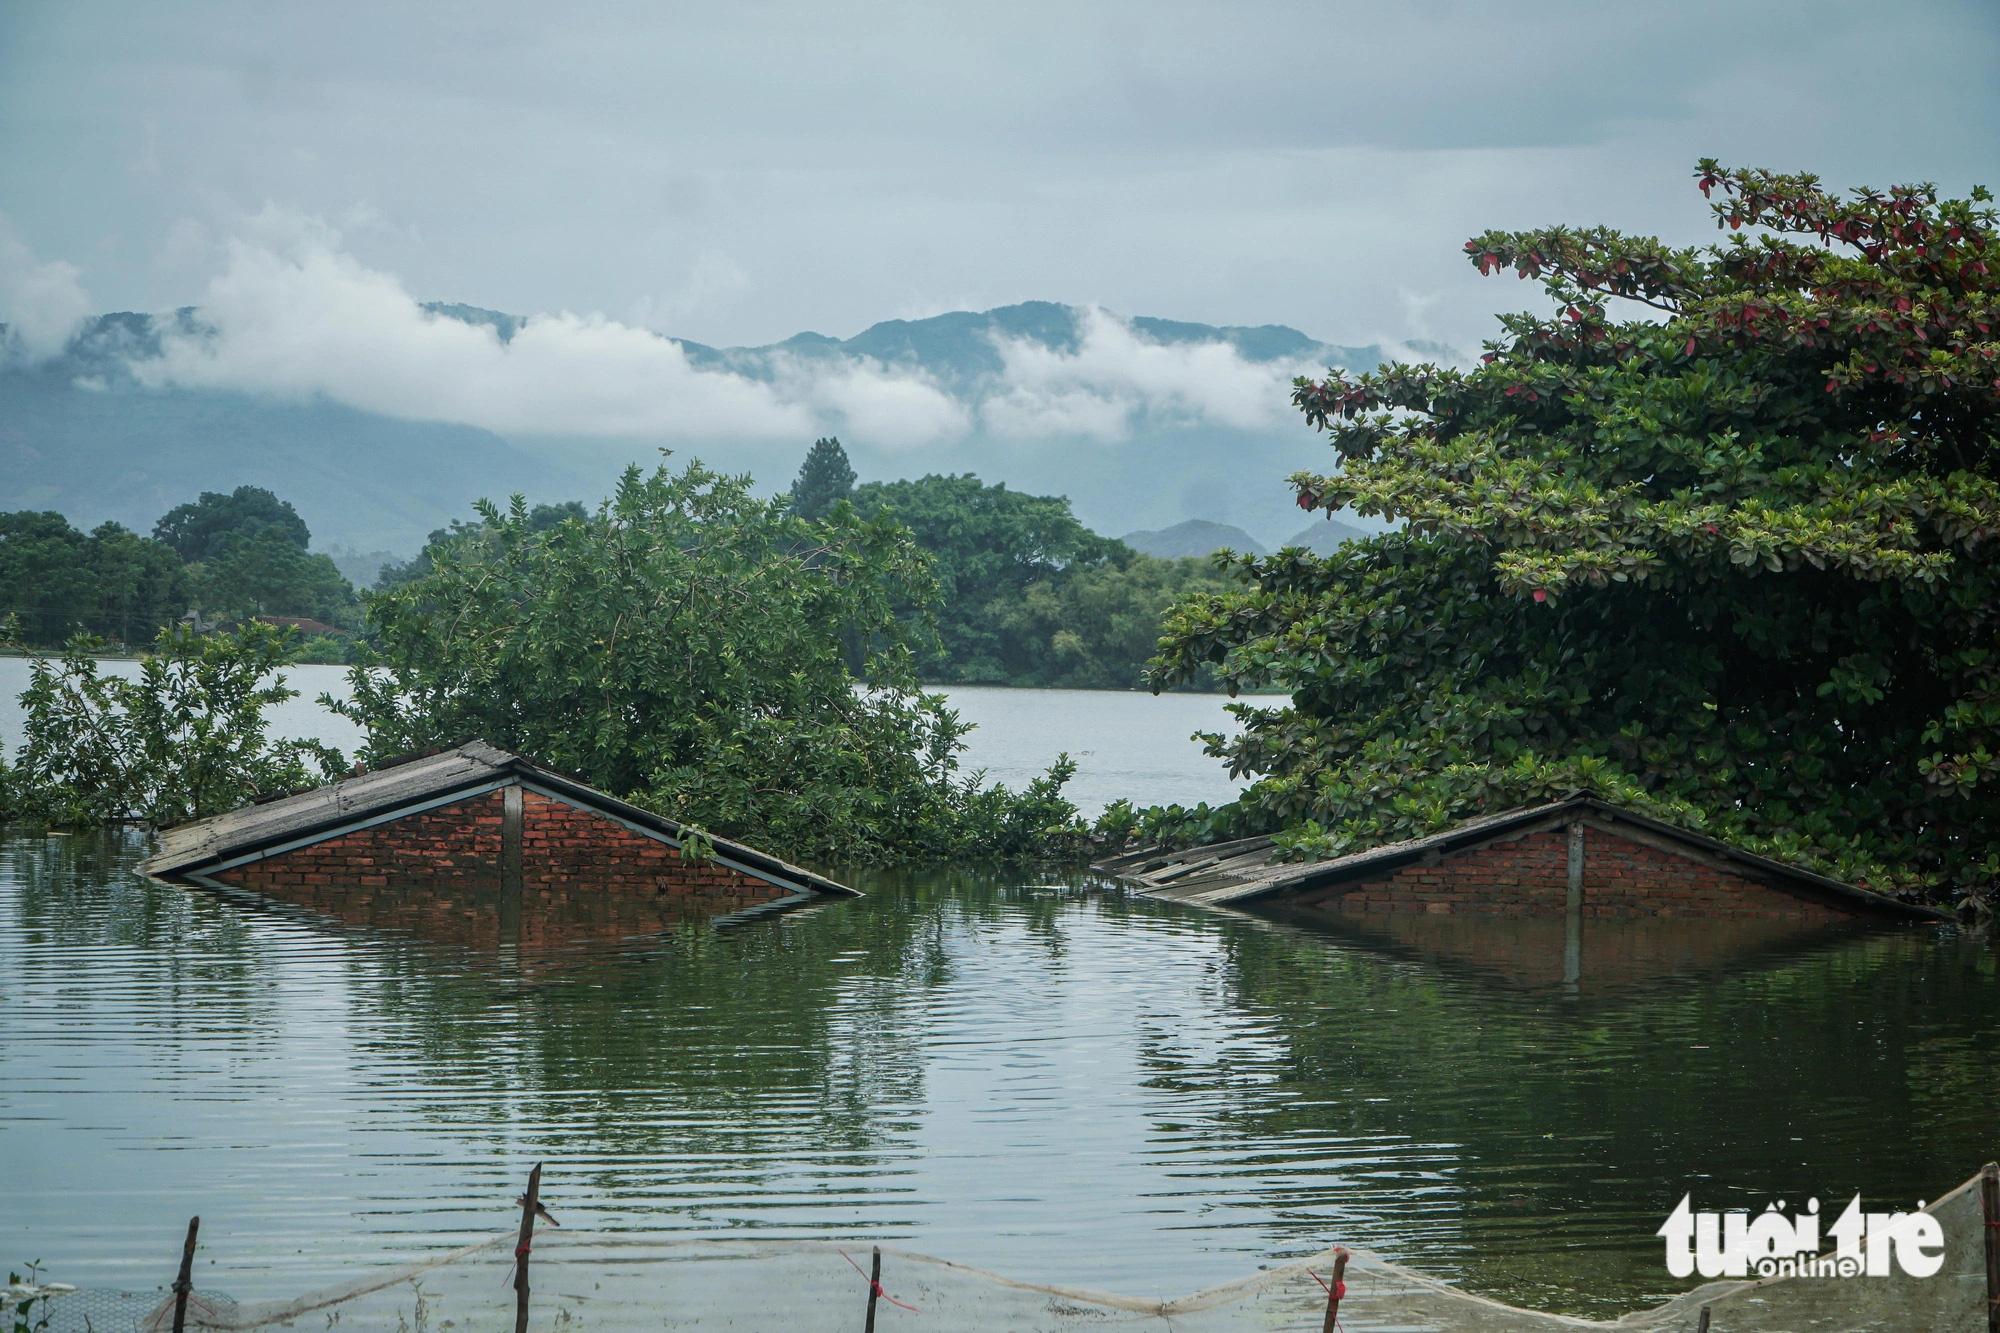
874	1288
1701	1326
184	1283
1333	1290
529	1202
1989	1209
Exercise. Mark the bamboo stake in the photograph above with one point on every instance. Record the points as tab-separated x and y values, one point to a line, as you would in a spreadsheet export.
1989	1208
1333	1290
184	1283
528	1205
874	1288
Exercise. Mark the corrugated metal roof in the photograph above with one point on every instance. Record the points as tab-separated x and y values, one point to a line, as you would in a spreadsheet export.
1234	873
324	811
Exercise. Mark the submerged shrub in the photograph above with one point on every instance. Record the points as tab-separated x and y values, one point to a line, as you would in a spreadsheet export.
183	740
715	657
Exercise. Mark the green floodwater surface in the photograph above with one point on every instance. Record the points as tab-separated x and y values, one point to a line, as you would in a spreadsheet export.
1056	1081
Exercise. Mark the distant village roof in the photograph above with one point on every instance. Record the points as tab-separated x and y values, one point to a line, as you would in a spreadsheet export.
1234	873
429	778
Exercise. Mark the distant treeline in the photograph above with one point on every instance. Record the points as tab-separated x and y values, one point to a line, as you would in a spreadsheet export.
1027	595
224	558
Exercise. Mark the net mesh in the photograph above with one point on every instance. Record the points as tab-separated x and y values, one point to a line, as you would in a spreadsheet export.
599	1282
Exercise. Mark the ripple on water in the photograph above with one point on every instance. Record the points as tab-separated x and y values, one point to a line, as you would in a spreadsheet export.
1075	1086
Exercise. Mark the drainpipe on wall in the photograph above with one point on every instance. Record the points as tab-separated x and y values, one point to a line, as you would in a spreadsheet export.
510	864
1573	909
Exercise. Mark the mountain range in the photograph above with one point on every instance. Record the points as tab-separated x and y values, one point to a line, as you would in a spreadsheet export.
1142	422
1199	536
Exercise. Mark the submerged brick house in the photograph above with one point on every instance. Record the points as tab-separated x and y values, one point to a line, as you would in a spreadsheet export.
1579	859
494	837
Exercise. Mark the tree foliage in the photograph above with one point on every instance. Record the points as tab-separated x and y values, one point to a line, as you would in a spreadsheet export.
113	583
991	547
183	739
247	555
541	517
266	574
825	479
231	556
1732	555
1094	627
204	528
688	647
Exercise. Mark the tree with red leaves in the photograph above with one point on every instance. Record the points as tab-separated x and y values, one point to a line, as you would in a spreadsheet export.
1728	557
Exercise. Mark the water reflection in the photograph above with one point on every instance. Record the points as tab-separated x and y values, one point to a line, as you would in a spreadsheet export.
1752	1065
1596	956
1045	1079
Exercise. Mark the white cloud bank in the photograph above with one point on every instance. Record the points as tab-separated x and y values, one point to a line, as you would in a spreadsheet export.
1116	380
41	303
297	316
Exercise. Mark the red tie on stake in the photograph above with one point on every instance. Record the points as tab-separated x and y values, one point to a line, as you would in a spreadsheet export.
1335	1292
875	1286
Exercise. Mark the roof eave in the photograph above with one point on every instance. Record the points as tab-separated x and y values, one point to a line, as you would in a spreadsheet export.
1395	856
502	768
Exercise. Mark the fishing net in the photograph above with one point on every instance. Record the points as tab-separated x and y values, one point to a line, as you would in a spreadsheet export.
600	1282
101	1310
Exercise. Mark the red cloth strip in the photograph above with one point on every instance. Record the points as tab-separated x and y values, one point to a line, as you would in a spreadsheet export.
875	1286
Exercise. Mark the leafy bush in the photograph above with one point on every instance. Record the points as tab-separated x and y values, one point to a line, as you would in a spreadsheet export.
183	740
688	647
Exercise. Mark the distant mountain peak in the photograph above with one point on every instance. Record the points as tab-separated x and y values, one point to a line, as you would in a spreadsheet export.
111	428
500	322
1194	537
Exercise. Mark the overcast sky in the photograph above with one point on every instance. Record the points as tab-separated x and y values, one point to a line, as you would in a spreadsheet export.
735	173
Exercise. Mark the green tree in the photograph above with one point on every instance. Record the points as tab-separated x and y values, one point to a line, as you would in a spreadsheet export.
263	572
184	739
688	646
204	528
1095	627
540	519
141	585
989	545
824	480
58	582
45	574
1732	557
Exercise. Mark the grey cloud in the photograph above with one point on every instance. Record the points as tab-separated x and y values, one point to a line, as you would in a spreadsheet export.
42	302
737	172
294	315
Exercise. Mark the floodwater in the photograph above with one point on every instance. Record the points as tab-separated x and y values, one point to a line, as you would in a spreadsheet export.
1126	743
1048	1079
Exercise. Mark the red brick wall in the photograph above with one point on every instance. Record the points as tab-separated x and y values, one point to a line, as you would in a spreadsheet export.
452	848
438	872
568	853
1529	876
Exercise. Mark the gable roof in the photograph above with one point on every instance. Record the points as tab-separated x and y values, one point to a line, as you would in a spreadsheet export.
1239	872
432	777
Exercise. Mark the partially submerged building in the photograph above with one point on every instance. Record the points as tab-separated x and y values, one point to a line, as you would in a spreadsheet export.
1580	858
494	837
